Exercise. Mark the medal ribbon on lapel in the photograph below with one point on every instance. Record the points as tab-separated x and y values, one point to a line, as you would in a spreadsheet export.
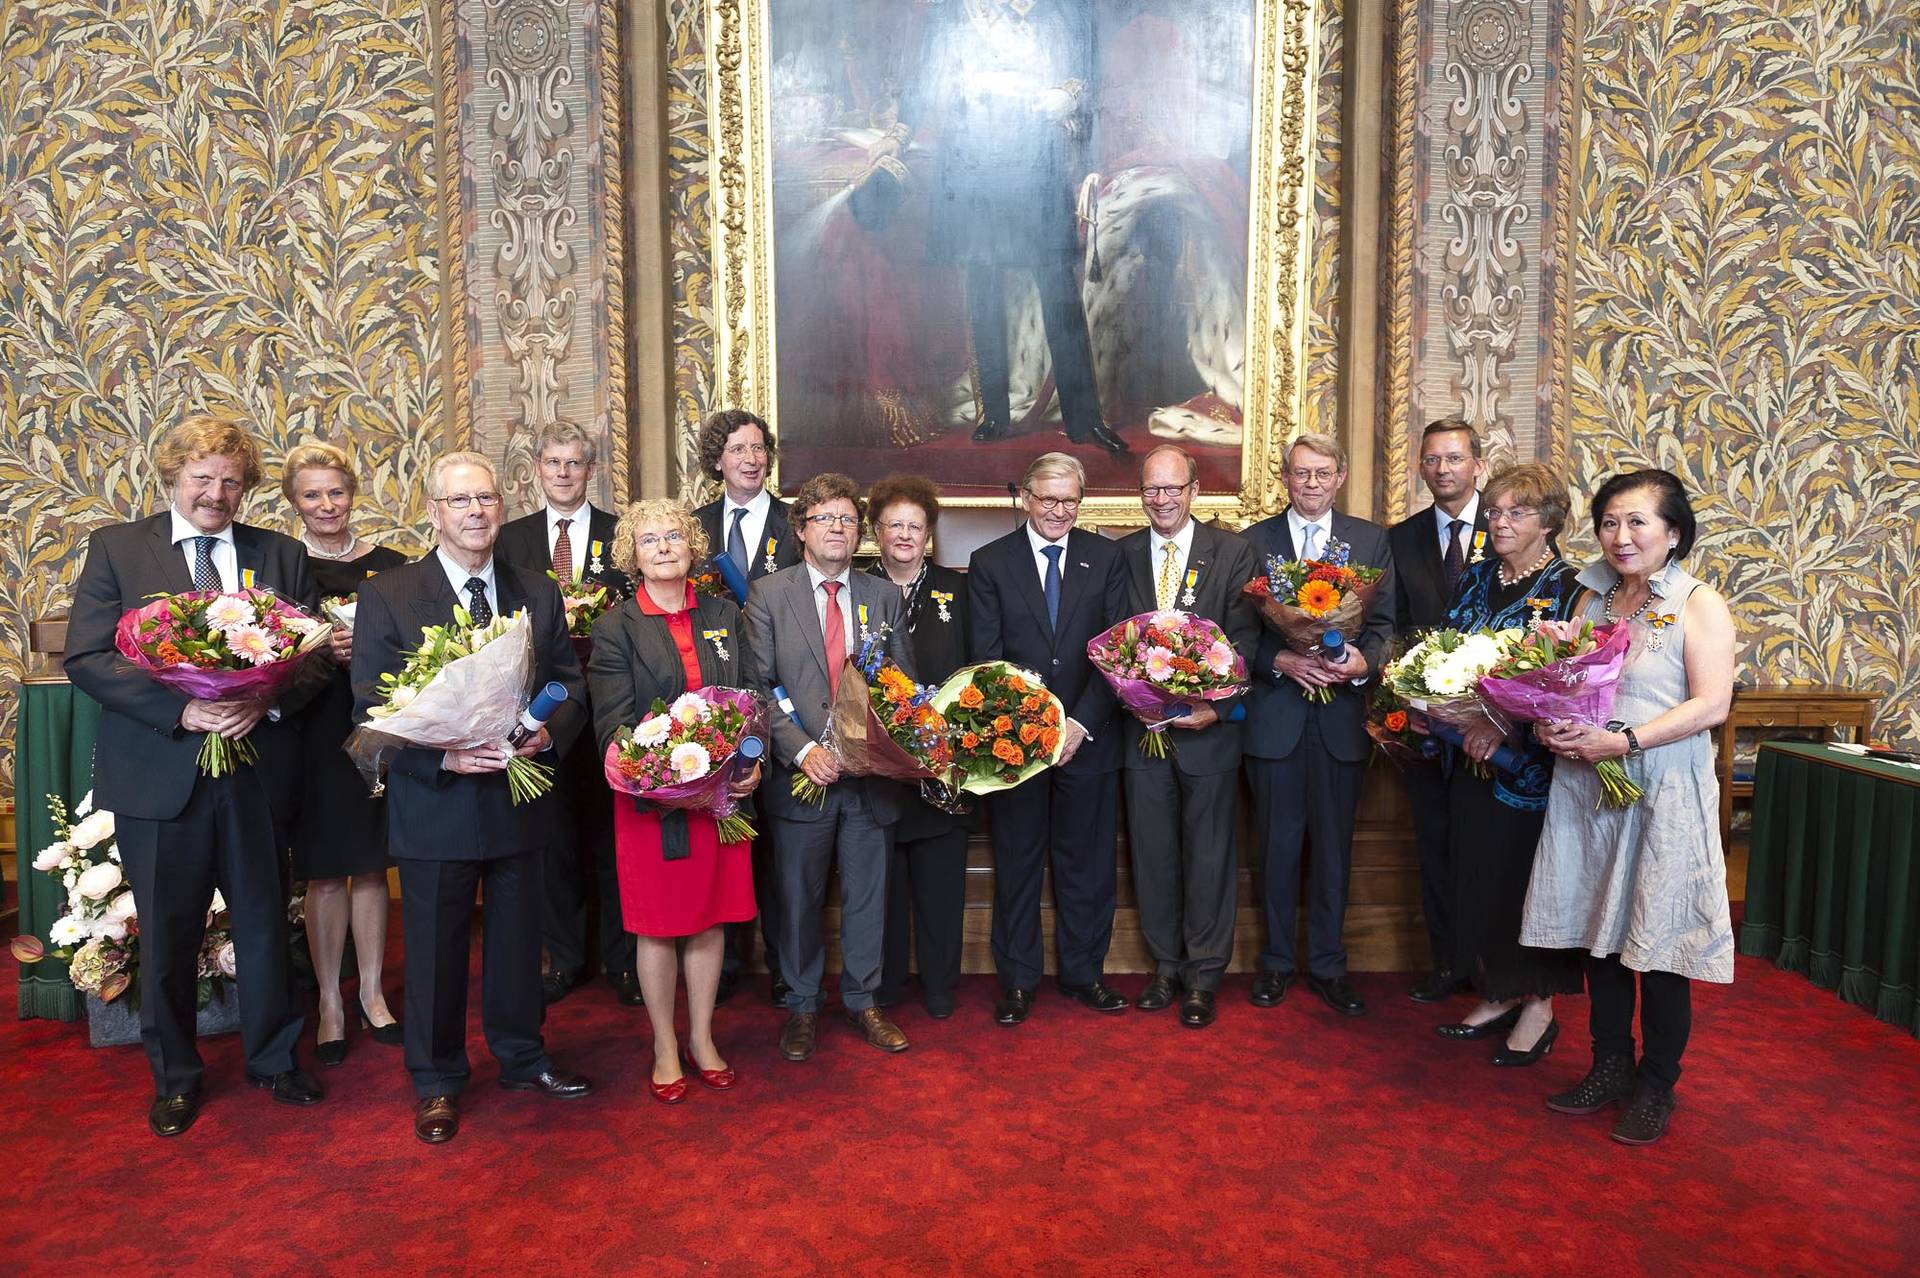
1193	578
247	578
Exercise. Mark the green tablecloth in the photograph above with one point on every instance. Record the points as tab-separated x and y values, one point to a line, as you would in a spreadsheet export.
53	740
1833	875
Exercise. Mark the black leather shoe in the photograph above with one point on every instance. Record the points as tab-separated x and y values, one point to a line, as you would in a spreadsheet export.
171	1115
987	432
1485	1029
436	1119
939	1005
1013	1007
729	982
1541	1046
295	1087
1196	1009
554	987
1435	986
626	988
1337	994
1158	994
1100	437
1269	988
555	1083
1647	1116
388	1035
779	990
1097	997
1609	1082
332	1052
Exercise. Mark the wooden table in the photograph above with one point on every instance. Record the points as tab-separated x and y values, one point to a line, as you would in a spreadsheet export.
1787	705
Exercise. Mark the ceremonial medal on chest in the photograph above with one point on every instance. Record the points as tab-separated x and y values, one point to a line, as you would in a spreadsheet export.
718	638
247	578
772	552
943	598
1479	547
860	611
1537	610
1193	578
593	558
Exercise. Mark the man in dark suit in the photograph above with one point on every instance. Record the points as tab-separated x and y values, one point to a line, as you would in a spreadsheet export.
1305	759
1181	809
451	823
802	625
748	525
1036	597
573	539
1431	548
183	834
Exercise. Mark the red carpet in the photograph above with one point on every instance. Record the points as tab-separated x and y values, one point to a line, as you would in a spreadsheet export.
1283	1141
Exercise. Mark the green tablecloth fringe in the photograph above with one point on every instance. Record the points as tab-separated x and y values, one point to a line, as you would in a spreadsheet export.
1896	1006
1759	940
50	998
1824	968
1794	955
1859	986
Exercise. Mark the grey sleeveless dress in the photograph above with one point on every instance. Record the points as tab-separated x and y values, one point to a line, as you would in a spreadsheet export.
1647	882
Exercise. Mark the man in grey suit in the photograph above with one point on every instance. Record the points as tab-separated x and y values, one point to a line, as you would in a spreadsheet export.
803	623
1181	808
1305	759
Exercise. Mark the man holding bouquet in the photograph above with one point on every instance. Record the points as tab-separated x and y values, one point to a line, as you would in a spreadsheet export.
452	824
183	833
1307	740
1182	804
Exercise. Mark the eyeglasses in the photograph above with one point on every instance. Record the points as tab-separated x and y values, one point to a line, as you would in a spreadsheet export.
834	521
899	527
563	465
1436	460
1301	476
1509	515
461	501
1160	492
648	541
1054	505
740	452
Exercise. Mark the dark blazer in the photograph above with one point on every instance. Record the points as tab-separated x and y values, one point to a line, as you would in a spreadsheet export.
1225	562
634	661
777	548
786	649
1009	623
1277	712
433	814
523	542
939	649
1420	596
145	763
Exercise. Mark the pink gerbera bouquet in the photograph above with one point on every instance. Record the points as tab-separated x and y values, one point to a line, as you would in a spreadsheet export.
686	754
1159	660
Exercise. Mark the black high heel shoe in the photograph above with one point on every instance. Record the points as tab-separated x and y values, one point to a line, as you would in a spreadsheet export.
1541	1046
1485	1029
385	1035
331	1052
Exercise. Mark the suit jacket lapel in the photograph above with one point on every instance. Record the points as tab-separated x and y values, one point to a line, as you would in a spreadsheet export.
1433	565
509	590
1140	564
433	605
653	645
1200	558
171	559
712	672
1027	583
761	561
800	600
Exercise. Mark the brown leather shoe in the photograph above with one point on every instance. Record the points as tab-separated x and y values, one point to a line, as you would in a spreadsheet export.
878	1030
436	1120
801	1033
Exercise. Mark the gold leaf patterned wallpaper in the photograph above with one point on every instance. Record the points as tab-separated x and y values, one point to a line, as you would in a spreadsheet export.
226	204
1747	313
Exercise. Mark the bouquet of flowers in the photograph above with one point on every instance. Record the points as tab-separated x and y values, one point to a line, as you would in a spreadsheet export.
464	686
881	723
681	755
1389	726
1564	670
244	646
1439	675
1006	726
339	609
98	931
1316	605
584	604
1158	660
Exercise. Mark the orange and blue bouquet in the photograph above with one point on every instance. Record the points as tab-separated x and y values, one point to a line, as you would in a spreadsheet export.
1006	726
1160	662
244	646
684	756
1316	605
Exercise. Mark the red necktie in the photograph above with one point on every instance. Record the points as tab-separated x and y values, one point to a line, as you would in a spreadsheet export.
563	554
835	633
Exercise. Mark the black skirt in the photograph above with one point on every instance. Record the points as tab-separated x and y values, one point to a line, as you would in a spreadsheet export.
1492	846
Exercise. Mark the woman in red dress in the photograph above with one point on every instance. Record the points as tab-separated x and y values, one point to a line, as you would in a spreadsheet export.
674	882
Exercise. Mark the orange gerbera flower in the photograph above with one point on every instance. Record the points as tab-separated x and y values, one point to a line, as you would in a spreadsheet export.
1009	753
1002	723
970	698
1318	598
969	741
1029	732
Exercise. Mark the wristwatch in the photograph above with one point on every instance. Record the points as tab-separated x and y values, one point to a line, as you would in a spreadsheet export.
1633	742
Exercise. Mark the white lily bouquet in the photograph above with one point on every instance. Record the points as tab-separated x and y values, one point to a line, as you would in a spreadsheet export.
464	686
1440	675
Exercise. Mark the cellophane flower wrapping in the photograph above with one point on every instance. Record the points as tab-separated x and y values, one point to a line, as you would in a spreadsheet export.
1006	725
1580	688
1304	599
1158	660
882	724
681	755
1439	677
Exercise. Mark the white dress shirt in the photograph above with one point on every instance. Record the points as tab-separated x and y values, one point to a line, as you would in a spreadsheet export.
1182	542
458	576
1297	526
226	560
579	522
1443	526
752	529
1040	545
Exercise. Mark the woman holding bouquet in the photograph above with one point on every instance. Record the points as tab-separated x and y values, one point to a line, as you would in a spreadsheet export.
680	883
1495	816
1642	888
927	881
340	839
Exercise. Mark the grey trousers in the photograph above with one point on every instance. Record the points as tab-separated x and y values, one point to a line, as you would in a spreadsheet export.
803	854
1185	868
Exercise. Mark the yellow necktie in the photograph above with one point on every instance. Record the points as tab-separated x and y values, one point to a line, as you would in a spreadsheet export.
1167	571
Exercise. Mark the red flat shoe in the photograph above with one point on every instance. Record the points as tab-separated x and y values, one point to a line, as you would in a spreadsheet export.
669	1093
718	1079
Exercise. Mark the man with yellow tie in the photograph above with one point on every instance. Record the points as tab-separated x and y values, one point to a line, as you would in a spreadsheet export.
1181	808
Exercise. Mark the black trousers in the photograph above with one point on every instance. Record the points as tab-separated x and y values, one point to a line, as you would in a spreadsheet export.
225	838
1308	793
1186	867
1432	840
582	882
926	907
1066	325
766	896
1066	818
436	916
1666	1016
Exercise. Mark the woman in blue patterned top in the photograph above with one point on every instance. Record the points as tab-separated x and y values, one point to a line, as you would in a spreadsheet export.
1495	816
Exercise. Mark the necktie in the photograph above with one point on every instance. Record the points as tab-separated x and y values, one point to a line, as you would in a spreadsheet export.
478	608
1165	592
1310	541
737	542
1053	554
1456	553
205	575
834	630
562	555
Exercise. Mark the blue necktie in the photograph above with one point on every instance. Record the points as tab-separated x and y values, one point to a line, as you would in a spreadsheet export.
477	607
1053	554
205	575
737	544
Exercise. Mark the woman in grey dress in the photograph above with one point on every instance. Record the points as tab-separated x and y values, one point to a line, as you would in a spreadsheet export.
1641	889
